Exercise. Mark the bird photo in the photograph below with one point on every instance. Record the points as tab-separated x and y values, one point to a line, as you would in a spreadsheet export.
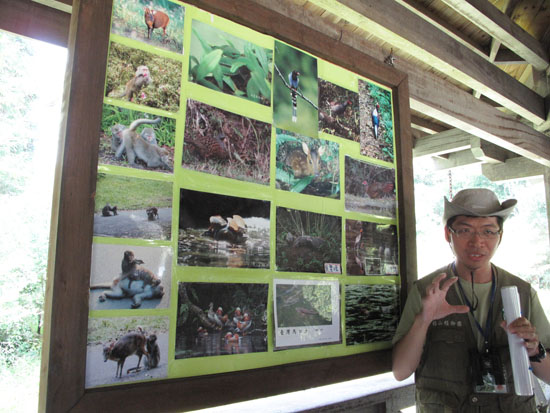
221	319
338	111
293	81
376	121
306	312
222	143
370	188
295	91
223	231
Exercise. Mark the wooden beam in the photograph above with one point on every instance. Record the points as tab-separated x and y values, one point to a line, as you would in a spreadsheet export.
425	125
59	5
507	57
456	140
455	160
443	25
490	19
406	31
453	140
488	153
436	98
513	168
30	19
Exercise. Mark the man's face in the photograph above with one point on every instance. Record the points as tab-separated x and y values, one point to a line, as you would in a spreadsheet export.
473	252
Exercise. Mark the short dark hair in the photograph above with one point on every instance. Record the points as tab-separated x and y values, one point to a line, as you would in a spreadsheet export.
500	221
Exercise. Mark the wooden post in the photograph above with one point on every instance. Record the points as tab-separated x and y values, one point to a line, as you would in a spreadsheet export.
66	317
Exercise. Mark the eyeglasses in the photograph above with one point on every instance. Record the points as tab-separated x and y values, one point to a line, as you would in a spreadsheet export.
467	233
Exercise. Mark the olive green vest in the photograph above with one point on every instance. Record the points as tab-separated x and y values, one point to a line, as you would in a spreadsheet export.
443	377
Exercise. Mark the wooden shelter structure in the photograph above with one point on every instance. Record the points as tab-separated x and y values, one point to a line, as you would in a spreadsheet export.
471	81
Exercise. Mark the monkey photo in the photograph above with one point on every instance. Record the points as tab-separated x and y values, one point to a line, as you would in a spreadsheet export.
128	266
135	281
152	213
154	352
126	349
141	79
148	134
136	146
133	271
107	209
150	138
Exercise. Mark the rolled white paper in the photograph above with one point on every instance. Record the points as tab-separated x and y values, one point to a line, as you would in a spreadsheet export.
518	353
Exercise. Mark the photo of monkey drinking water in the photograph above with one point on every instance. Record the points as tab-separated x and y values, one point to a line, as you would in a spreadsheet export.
143	78
136	139
143	208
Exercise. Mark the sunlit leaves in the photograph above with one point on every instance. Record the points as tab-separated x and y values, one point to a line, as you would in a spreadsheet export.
225	68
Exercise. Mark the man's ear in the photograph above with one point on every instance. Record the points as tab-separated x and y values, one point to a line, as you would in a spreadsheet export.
447	234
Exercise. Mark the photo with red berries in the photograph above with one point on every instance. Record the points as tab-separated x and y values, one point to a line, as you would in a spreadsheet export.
222	143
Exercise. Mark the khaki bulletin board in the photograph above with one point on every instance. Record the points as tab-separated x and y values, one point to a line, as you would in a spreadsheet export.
248	212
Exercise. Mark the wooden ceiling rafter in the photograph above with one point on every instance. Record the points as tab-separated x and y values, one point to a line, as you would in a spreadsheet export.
502	28
405	30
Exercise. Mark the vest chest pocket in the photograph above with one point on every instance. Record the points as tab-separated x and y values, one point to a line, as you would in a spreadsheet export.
447	335
446	354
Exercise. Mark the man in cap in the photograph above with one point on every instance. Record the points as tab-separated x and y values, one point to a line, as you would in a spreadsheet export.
452	333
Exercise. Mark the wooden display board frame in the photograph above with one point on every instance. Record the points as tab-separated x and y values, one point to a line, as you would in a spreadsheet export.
65	337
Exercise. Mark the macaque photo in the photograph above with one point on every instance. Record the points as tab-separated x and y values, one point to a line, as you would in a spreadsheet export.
136	139
135	76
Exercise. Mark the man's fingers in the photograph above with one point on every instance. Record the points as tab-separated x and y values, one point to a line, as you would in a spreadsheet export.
434	286
447	284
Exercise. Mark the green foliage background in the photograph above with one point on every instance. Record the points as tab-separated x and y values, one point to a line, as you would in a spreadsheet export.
101	330
383	97
223	62
131	193
288	59
165	131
